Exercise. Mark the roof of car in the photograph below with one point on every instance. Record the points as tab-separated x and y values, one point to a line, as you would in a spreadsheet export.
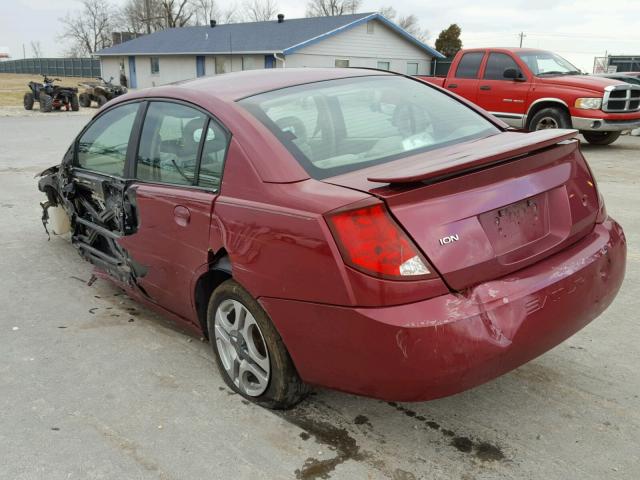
237	85
252	37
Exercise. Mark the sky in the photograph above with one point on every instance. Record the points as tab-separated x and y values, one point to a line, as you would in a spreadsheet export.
579	30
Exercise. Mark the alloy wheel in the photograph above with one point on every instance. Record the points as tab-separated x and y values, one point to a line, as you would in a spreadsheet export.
242	348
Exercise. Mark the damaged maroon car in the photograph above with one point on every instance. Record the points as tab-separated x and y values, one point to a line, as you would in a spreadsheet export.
353	229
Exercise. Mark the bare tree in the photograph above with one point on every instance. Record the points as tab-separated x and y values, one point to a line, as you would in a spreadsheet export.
141	16
89	29
409	23
260	10
330	8
206	10
36	49
177	13
388	12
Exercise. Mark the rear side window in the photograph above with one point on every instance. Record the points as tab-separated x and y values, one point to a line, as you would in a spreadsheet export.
214	151
497	64
469	65
169	143
338	126
103	146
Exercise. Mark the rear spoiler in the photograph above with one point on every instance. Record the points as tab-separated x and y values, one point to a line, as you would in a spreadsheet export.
465	159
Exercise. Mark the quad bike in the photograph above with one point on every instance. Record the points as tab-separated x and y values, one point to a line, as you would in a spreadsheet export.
100	92
50	96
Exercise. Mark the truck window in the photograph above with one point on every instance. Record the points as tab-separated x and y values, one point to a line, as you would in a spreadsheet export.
469	65
497	64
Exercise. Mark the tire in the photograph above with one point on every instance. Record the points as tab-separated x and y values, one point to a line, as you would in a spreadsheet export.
75	106
601	138
549	118
276	383
28	101
85	100
101	100
46	103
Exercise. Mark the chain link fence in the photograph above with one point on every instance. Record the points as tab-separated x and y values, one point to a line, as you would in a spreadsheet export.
54	67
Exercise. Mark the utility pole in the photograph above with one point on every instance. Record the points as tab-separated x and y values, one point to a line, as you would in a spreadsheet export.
521	35
24	52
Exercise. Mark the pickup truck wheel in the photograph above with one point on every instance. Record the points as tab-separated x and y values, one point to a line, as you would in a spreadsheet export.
249	352
549	118
601	138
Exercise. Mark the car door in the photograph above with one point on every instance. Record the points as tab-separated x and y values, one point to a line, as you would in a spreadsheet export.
506	98
464	80
94	188
176	178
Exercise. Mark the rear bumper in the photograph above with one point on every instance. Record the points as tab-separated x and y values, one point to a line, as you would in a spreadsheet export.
603	125
448	344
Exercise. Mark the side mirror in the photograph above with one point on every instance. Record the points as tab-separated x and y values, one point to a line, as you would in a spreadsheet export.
513	74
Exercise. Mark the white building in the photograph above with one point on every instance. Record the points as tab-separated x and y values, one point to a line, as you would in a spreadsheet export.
360	40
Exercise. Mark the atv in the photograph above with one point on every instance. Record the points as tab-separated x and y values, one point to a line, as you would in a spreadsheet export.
50	96
100	92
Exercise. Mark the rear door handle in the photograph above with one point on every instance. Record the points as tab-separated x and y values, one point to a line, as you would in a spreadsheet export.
181	215
485	87
452	85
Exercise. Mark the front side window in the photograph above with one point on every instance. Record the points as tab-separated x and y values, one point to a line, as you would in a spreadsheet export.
341	63
103	146
497	64
469	65
543	63
169	143
337	126
155	65
384	65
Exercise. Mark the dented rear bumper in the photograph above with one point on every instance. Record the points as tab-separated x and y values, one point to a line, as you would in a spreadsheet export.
450	343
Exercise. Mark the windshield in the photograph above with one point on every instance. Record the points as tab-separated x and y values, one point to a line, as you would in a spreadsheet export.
337	126
547	63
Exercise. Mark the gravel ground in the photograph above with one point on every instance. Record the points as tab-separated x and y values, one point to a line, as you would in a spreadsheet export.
95	387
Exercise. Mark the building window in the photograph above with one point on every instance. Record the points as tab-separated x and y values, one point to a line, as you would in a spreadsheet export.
248	63
341	63
412	68
384	65
221	65
370	27
155	65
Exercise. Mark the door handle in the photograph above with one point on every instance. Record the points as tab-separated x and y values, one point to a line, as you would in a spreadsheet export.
485	87
452	85
181	215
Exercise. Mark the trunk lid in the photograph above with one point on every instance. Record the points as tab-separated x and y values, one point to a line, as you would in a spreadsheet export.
484	209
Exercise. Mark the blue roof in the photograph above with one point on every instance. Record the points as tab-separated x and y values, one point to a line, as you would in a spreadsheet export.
253	37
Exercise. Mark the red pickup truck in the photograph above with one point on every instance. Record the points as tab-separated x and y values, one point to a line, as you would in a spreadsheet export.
536	89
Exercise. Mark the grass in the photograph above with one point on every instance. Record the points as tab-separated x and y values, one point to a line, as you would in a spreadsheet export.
13	86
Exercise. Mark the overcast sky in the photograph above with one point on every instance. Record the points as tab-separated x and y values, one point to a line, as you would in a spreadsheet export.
577	29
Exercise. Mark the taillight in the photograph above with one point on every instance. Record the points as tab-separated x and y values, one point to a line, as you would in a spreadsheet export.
371	241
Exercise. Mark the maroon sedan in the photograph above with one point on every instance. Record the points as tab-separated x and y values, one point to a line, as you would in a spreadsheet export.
354	229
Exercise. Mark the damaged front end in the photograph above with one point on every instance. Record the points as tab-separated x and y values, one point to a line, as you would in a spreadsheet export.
96	212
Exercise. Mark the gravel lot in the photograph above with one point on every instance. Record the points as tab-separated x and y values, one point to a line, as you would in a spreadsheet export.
95	387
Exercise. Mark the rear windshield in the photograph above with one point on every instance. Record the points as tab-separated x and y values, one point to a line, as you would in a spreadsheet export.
338	126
